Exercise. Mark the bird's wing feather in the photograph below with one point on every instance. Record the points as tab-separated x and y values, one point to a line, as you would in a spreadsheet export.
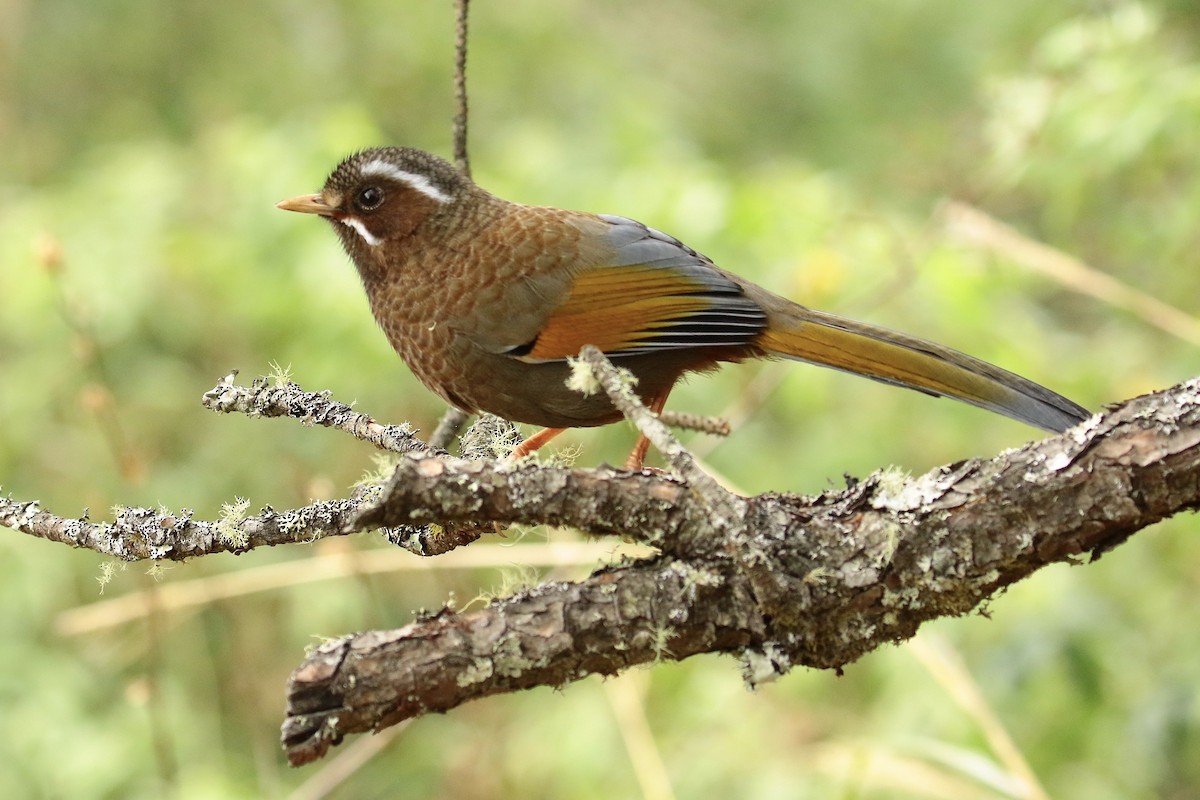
651	293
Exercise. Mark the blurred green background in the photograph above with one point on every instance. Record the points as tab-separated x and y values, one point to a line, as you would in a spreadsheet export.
805	145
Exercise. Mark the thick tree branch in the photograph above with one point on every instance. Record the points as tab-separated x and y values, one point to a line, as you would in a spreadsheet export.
777	580
790	581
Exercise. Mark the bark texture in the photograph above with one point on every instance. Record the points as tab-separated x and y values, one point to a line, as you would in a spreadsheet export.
776	580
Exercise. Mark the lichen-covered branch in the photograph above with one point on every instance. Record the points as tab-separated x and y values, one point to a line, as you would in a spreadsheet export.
283	398
549	635
650	508
468	498
815	581
138	534
777	580
263	398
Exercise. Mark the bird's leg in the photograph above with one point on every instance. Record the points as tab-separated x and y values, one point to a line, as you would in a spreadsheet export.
637	456
534	443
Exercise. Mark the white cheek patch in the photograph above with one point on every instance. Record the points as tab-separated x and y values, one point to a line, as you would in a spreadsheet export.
419	183
357	224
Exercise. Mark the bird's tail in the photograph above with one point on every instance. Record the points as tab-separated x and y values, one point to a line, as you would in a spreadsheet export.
883	355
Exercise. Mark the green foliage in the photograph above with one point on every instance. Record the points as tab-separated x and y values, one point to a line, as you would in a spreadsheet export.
801	144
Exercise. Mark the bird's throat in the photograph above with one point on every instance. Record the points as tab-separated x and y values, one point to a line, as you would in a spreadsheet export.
361	229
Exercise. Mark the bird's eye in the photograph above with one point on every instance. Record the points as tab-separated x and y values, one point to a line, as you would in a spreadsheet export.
369	199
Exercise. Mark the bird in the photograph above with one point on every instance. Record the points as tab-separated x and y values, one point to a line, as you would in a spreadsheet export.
487	300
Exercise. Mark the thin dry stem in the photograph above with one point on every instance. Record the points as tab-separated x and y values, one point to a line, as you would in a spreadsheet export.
262	399
945	665
449	426
685	420
649	425
627	696
970	225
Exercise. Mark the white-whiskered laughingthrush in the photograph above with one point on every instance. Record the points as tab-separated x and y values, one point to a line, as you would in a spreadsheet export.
485	300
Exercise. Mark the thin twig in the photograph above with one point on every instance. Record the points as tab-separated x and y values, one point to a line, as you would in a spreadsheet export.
945	665
143	534
286	398
99	394
450	425
627	697
685	420
161	731
453	420
261	399
648	424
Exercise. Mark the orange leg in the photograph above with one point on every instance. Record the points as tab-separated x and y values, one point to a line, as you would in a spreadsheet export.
534	443
637	456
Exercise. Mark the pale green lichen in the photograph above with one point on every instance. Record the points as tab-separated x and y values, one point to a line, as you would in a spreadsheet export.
694	577
229	526
280	376
517	578
661	637
108	571
157	570
510	662
891	542
819	576
490	438
384	464
564	457
582	379
479	670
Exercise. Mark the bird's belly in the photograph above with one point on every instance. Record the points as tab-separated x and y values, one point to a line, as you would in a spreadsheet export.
475	380
536	394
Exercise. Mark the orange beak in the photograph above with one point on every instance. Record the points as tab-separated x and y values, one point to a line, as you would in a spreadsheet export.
307	204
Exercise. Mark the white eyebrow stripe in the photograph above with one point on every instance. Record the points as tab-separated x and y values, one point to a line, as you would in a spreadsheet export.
383	169
357	224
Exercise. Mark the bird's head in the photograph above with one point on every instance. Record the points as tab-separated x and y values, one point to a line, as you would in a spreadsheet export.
383	195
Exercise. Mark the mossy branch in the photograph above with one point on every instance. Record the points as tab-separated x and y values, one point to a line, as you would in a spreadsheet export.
777	580
784	581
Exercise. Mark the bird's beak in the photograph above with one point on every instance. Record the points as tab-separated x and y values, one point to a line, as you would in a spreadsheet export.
307	204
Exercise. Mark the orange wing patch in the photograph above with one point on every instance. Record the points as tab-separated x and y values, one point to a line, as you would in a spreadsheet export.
619	309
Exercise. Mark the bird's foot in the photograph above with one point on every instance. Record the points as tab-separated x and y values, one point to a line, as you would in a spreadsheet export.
534	443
